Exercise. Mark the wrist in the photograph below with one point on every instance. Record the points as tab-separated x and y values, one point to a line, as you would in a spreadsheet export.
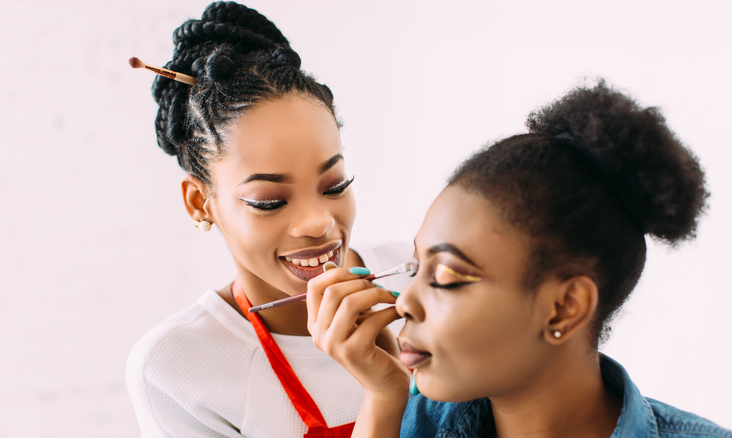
387	403
380	415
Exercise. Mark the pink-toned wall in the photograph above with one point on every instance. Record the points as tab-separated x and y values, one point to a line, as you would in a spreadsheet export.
95	246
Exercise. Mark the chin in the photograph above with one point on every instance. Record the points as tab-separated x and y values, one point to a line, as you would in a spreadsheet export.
453	392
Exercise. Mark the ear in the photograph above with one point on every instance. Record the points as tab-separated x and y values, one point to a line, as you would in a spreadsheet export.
574	303
196	199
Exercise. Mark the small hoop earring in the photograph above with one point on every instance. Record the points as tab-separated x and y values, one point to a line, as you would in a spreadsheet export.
203	225
557	334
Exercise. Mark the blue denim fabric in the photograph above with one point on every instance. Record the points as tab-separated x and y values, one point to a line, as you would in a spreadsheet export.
640	416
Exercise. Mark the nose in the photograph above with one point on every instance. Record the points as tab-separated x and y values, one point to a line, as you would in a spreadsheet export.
312	220
408	304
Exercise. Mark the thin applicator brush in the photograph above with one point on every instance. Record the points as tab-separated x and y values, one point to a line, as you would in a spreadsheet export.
409	267
170	74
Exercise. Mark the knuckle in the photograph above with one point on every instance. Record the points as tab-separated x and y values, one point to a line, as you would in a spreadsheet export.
330	292
349	304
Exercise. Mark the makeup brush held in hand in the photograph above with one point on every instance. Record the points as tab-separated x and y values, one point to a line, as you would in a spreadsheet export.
170	74
404	268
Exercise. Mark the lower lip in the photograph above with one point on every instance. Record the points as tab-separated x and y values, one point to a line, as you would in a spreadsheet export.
307	273
412	359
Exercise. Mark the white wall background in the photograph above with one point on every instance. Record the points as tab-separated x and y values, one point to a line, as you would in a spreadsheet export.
95	246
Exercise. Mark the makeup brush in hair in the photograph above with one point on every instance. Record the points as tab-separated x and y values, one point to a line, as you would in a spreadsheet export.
170	74
404	268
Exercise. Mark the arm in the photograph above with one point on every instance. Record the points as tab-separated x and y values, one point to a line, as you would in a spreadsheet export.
337	301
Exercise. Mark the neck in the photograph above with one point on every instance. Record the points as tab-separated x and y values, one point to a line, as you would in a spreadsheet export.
290	319
567	400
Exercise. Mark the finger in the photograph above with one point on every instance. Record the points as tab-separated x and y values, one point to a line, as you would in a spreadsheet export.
351	310
331	300
318	285
386	340
372	327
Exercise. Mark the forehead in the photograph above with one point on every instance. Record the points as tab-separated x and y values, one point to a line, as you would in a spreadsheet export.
283	136
473	225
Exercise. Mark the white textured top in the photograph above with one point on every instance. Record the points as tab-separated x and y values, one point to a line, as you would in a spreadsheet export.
203	373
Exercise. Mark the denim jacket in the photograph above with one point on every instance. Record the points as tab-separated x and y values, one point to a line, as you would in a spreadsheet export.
639	417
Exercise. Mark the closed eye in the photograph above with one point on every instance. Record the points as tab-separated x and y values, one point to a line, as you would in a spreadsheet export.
448	278
449	285
340	187
267	205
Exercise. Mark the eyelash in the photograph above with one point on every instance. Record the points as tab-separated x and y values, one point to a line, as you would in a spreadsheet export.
340	187
448	286
264	205
270	205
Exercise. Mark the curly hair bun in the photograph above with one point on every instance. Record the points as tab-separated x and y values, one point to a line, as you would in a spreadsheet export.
207	47
229	22
637	151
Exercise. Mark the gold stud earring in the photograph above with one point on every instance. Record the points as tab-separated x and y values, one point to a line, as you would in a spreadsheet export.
203	225
557	334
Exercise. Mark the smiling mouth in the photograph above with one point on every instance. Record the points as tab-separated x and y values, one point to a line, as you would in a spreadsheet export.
309	268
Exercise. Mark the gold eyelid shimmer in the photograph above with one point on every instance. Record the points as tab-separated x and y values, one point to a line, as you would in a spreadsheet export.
462	277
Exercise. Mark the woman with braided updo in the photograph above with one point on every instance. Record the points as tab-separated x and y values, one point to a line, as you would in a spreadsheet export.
524	259
261	146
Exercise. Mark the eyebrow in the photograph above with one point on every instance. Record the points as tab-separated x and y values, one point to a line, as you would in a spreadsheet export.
452	249
330	163
287	178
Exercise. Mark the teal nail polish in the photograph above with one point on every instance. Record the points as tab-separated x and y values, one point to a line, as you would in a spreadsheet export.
359	271
328	266
413	385
378	285
395	293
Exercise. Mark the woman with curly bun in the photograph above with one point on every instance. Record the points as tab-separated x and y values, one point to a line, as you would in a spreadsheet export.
261	146
524	259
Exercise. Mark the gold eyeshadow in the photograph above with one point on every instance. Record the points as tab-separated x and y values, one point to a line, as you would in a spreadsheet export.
443	269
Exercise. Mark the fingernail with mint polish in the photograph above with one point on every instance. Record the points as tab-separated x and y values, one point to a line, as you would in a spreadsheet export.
378	285
359	271
395	293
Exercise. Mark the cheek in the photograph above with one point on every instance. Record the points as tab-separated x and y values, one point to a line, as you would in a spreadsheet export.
249	236
483	319
345	210
482	344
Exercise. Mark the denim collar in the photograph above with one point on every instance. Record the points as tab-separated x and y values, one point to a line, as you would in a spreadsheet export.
636	417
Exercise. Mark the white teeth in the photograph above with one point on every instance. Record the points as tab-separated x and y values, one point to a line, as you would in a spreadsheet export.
315	261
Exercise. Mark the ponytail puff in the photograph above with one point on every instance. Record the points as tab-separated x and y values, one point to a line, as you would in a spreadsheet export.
660	179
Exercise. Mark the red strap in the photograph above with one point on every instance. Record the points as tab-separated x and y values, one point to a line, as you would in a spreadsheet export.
343	431
301	400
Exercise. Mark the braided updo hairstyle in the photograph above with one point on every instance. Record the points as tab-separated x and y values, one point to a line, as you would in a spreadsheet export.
595	173
238	58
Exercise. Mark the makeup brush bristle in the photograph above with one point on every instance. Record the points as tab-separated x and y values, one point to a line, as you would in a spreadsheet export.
136	63
412	267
